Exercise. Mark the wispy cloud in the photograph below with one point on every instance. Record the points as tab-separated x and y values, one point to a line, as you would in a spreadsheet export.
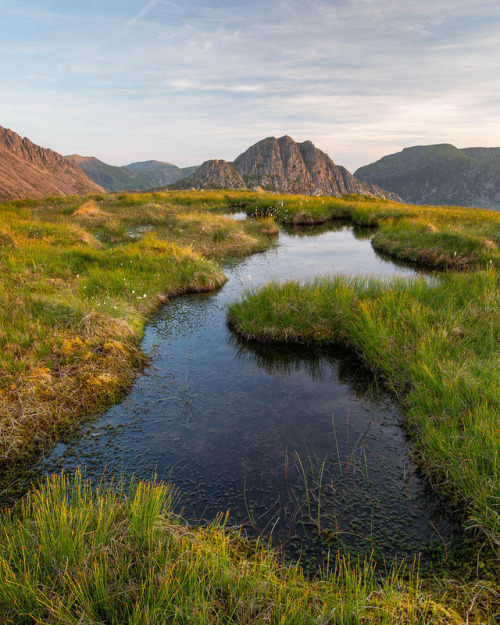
204	78
142	13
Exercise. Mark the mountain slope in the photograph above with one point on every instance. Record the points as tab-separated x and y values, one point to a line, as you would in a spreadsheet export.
159	174
108	176
28	170
285	166
440	174
486	155
214	174
142	176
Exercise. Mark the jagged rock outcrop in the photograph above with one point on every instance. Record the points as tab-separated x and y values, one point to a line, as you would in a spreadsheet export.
284	166
28	170
214	174
440	174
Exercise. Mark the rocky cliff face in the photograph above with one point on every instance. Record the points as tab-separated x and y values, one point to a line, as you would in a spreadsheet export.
285	166
215	174
440	174
27	170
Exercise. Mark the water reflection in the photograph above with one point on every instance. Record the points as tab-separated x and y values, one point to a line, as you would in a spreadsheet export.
298	439
316	362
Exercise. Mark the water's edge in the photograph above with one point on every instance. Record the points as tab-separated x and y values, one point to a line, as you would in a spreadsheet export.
294	441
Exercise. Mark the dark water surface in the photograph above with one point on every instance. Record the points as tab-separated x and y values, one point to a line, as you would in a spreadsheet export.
288	440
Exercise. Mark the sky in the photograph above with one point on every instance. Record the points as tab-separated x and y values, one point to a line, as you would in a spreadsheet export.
184	81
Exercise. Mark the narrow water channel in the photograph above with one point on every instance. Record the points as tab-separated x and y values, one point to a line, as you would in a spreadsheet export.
289	440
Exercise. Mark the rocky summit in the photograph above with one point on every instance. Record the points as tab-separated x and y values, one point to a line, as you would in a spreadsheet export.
285	166
440	174
216	174
27	170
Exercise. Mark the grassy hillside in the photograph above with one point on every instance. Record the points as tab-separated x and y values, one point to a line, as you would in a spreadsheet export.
160	174
110	177
439	174
141	176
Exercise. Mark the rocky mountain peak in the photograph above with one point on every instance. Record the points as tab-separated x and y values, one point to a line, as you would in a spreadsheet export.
29	151
285	166
216	174
289	167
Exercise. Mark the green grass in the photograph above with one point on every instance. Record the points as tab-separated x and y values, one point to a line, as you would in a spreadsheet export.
73	554
436	342
78	279
432	236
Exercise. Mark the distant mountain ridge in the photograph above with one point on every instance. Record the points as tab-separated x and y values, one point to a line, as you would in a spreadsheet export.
30	171
142	176
285	166
108	176
159	173
440	174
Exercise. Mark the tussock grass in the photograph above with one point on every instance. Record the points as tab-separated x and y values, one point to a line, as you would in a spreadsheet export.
436	342
432	236
73	554
79	276
78	279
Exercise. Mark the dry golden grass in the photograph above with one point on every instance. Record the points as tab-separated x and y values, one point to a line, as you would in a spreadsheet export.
79	278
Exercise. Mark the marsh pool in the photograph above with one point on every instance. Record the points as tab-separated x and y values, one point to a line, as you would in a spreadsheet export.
300	444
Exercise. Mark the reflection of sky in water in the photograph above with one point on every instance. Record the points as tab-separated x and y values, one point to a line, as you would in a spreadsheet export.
242	427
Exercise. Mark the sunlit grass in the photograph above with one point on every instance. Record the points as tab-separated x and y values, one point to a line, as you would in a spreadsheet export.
433	236
73	554
79	277
437	344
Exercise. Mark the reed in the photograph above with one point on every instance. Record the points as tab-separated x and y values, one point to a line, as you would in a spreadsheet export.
70	553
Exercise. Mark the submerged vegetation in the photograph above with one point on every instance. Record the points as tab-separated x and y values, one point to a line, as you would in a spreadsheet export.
79	278
436	342
73	554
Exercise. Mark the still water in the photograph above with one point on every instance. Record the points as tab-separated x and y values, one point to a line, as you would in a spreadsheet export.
297	443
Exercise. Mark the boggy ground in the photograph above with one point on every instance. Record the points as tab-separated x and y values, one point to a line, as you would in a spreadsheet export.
79	277
435	341
70	554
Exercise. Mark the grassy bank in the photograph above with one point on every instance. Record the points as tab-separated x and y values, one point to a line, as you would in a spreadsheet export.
437	345
78	279
70	554
432	236
435	342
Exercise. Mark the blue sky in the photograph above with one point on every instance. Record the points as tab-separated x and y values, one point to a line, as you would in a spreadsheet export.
187	80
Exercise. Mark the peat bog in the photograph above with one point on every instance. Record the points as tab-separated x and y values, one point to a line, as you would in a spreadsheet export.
295	442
